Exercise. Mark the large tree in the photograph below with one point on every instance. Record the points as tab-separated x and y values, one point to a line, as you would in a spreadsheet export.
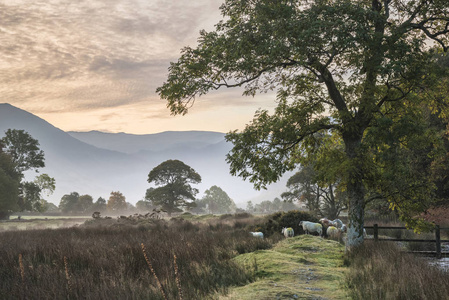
337	66
175	190
9	185
24	152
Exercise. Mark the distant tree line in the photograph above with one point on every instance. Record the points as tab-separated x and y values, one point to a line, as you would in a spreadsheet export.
74	203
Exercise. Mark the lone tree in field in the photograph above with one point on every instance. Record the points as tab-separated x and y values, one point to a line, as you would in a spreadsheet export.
174	179
345	67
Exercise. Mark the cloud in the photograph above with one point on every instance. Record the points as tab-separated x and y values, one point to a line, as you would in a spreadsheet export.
68	57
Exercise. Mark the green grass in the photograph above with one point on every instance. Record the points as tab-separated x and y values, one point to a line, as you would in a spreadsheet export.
303	267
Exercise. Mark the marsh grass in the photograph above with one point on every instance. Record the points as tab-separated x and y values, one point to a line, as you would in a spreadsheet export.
382	271
105	261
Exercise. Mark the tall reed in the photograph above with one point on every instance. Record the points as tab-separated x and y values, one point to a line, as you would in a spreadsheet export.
153	272
381	271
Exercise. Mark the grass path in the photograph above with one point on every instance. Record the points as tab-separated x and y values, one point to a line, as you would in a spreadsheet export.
303	267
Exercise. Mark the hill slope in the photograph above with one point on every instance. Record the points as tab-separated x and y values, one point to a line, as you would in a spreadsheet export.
97	163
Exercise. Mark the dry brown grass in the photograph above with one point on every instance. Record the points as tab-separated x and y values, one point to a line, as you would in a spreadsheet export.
105	261
382	271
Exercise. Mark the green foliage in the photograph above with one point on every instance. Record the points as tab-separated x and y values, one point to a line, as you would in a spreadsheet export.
76	203
217	201
24	153
275	222
175	179
24	150
9	186
99	205
69	202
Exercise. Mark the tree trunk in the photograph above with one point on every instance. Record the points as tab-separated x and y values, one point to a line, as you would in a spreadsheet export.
356	193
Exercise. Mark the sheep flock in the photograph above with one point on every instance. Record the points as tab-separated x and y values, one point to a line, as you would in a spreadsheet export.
324	228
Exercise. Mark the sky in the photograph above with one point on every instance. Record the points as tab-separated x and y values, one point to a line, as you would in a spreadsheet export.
95	64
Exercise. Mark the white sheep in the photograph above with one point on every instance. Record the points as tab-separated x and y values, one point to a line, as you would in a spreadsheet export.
337	223
332	231
310	227
288	232
257	234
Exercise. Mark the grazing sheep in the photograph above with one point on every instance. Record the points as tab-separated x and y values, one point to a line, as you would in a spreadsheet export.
288	232
326	222
332	231
310	227
337	223
257	234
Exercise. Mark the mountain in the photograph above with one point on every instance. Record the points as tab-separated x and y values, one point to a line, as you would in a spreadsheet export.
131	143
97	163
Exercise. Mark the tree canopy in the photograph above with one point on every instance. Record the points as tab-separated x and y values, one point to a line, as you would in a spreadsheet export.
24	150
174	179
347	67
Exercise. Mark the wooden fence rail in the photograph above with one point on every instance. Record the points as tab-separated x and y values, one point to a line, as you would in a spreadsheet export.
438	253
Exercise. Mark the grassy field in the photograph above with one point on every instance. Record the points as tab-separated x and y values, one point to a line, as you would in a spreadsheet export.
216	258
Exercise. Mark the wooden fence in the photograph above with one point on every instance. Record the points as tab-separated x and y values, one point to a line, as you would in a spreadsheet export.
438	253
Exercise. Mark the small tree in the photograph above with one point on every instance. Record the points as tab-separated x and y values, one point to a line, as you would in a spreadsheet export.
218	201
174	179
99	205
69	202
116	202
85	202
144	205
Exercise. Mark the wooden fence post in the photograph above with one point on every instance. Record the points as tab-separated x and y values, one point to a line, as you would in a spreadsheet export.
438	241
376	232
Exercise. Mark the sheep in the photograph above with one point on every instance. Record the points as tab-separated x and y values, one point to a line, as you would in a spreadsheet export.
288	232
310	227
332	231
337	223
257	234
326	222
